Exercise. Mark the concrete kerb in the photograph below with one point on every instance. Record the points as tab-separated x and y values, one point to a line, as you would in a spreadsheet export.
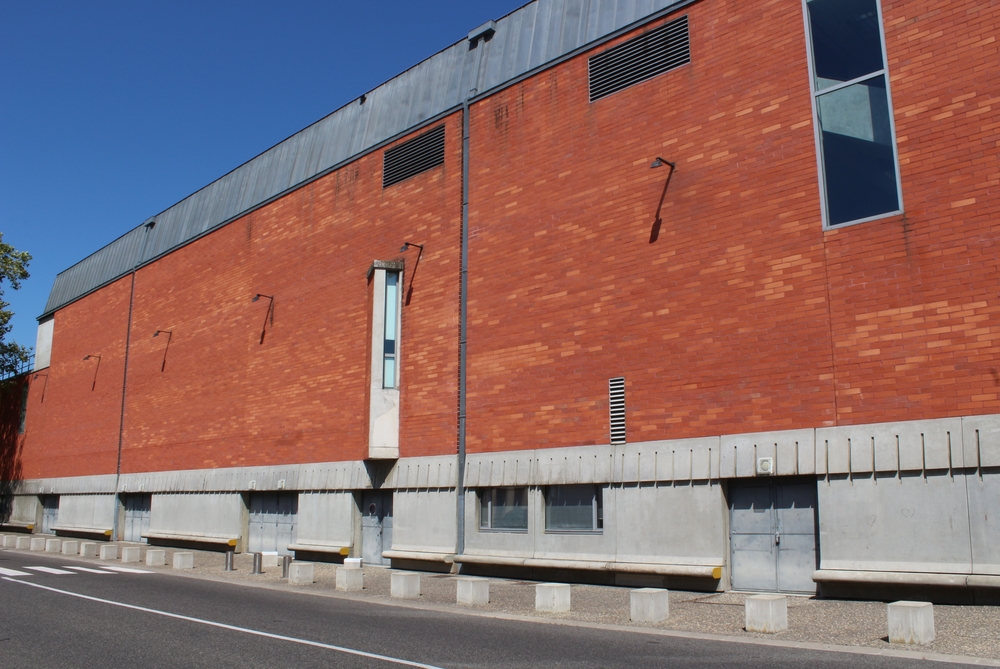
70	547
552	597
109	552
405	584
23	543
183	560
350	579
37	544
649	605
301	573
88	549
131	554
155	557
472	591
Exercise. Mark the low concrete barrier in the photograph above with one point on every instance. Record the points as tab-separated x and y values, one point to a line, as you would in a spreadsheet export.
473	591
649	605
269	559
552	597
405	585
300	573
911	622
183	560
88	549
156	558
131	554
53	545
350	579
109	552
766	613
23	543
353	562
37	543
10	541
70	547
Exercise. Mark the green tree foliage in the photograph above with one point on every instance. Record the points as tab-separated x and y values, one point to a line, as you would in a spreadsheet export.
14	270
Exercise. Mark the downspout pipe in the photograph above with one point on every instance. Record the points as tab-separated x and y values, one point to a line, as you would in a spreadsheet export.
150	223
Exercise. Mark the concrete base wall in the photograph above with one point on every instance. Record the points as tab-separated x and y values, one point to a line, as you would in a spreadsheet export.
424	521
212	516
325	519
86	512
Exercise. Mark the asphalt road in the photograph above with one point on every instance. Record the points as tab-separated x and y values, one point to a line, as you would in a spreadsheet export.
127	619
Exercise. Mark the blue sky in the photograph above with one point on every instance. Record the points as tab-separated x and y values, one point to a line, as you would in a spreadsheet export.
110	112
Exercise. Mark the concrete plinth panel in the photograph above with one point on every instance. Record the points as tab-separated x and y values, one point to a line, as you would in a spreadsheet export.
88	549
130	554
53	545
269	559
183	560
405	584
154	558
766	613
649	605
552	597
350	579
109	552
300	573
9	541
911	622
473	591
23	543
70	547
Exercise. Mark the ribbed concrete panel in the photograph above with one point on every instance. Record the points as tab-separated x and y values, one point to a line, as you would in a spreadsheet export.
527	39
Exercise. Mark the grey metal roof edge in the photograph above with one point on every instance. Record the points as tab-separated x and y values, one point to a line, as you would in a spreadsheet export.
541	6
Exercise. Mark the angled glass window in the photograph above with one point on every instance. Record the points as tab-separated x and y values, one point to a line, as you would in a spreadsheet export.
503	509
857	148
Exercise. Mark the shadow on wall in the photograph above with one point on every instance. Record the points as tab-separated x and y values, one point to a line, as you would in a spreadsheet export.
12	405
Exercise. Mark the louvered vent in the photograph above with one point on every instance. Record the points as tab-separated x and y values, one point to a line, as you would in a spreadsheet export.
616	406
640	59
413	157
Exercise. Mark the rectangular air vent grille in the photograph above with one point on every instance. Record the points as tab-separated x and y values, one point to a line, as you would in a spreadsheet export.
413	157
616	406
640	59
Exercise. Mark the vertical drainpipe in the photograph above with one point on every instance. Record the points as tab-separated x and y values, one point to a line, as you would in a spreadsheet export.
128	339
482	39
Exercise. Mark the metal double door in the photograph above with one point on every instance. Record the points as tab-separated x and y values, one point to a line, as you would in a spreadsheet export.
136	516
376	525
273	517
773	537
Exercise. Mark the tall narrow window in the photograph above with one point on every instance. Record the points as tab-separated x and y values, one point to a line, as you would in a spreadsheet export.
391	329
24	406
857	148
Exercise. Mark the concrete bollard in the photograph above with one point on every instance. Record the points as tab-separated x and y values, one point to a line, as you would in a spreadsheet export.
552	597
353	563
10	541
23	543
88	549
109	552
53	545
156	558
300	573
473	591
183	560
70	547
269	559
911	622
37	543
350	579
766	613
649	605
131	554
405	585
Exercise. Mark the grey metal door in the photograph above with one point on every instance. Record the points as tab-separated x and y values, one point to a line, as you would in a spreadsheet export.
772	526
272	521
50	513
136	517
376	525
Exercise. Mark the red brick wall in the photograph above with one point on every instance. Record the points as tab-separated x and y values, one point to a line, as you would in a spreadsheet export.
742	315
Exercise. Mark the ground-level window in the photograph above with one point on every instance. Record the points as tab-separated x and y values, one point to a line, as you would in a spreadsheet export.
859	167
503	509
574	508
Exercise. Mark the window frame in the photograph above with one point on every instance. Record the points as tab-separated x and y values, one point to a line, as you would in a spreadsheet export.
486	495
398	313
597	510
814	96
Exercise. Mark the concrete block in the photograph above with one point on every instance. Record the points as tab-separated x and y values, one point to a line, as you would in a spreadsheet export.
23	543
37	543
766	613
183	560
109	552
405	584
353	562
649	605
473	591
552	597
70	547
88	549
300	573
350	579
9	541
155	558
269	559
53	545
911	622
131	554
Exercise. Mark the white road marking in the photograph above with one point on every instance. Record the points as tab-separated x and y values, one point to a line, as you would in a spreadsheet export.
233	628
91	571
128	570
50	570
13	572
